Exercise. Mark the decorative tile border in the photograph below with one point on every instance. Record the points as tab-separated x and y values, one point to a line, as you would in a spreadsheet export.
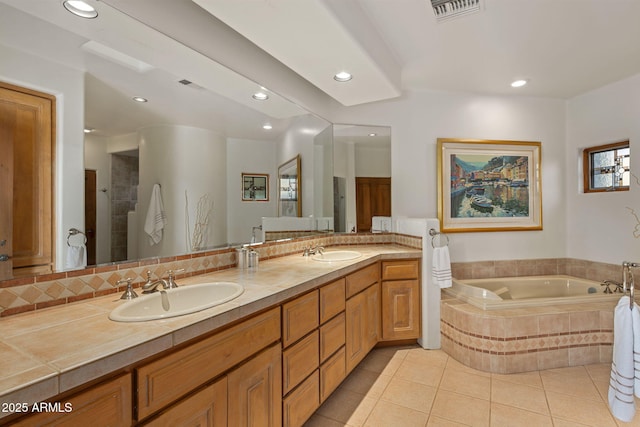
529	340
33	293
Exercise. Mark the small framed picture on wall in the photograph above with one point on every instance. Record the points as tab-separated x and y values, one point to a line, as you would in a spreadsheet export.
255	187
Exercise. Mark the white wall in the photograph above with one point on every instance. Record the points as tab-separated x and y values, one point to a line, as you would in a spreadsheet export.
250	157
182	158
600	227
372	161
419	119
68	87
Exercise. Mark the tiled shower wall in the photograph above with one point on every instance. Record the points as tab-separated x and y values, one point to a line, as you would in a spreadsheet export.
124	196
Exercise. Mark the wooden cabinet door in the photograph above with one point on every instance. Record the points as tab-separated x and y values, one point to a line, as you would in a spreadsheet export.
400	309
108	403
206	408
355	330
255	391
28	118
372	324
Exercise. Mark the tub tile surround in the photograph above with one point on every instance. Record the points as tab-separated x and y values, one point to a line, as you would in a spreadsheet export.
53	350
27	294
529	339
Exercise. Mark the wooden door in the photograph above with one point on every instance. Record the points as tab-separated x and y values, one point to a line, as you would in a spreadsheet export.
28	128
255	391
6	192
373	198
90	190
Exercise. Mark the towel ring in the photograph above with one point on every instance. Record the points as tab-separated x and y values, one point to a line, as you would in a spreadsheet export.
73	232
433	233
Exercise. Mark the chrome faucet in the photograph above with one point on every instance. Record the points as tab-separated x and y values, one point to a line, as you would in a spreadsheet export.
313	250
618	287
151	287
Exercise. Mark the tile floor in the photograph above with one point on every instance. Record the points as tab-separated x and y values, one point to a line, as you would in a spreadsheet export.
411	387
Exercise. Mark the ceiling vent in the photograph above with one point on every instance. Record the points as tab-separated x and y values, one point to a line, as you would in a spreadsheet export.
449	9
189	83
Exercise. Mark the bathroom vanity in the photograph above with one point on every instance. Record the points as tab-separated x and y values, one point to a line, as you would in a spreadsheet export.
270	357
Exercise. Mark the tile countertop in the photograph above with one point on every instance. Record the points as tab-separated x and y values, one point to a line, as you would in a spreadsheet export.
50	351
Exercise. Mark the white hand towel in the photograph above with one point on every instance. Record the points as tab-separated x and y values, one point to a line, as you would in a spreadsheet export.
621	400
76	257
441	269
156	218
635	318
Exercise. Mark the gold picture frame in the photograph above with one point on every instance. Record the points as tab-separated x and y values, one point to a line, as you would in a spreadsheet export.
289	188
489	185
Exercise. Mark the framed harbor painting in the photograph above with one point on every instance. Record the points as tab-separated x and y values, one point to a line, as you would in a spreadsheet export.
255	187
486	185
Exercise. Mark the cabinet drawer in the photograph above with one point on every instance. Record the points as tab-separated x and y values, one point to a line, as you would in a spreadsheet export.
298	361
109	403
362	279
395	270
332	298
332	372
169	378
299	317
302	402
207	407
332	336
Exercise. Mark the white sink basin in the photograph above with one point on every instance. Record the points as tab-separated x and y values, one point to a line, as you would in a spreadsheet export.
176	302
337	256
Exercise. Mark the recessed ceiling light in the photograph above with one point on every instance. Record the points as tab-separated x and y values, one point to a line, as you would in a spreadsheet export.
267	126
342	76
140	99
372	134
518	83
260	96
88	130
80	8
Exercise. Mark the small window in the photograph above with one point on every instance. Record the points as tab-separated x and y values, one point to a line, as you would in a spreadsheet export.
606	168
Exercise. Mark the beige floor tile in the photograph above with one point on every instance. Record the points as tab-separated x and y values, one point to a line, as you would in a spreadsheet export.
411	395
557	422
502	416
384	360
478	386
454	364
573	381
420	373
531	379
590	412
347	407
431	357
519	396
320	421
386	414
462	409
442	422
366	382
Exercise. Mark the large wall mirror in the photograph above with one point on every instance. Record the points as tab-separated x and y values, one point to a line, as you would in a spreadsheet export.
199	130
362	176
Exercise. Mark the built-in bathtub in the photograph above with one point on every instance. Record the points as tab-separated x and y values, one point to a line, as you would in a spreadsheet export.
530	291
520	324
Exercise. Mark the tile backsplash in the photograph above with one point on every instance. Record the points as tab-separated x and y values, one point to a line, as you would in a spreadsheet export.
31	293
